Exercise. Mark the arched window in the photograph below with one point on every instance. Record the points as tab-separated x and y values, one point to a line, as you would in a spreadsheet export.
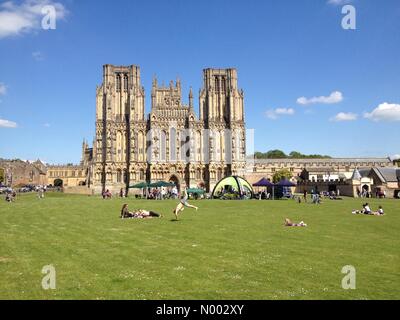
119	146
198	174
222	135
163	145
172	144
118	83
119	176
223	84
217	143
198	147
219	174
140	144
125	82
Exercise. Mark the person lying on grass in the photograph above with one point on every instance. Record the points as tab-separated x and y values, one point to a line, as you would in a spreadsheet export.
366	210
126	214
289	223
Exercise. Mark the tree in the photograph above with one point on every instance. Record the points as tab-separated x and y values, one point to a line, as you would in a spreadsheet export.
276	154
296	155
1	175
279	154
281	174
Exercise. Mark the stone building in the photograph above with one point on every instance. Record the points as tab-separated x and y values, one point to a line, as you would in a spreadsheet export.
70	175
171	143
343	175
17	172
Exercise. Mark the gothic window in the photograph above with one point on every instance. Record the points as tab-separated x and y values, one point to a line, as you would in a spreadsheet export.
141	174
222	134
218	145
223	84
126	82
118	82
163	146
119	146
216	84
198	146
119	175
140	145
198	174
219	174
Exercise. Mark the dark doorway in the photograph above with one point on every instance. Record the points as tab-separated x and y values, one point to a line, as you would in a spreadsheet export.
175	180
58	183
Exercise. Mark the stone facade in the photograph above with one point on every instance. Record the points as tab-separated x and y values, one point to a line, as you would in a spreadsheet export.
18	172
170	143
316	169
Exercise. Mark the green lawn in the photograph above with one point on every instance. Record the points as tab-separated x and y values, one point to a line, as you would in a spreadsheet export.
226	250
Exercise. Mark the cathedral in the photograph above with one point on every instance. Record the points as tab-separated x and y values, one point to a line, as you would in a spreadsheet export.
171	143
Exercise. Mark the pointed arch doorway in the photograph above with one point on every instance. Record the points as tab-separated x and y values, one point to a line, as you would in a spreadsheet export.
175	179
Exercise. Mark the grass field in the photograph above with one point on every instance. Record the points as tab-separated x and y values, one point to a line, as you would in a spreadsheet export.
226	250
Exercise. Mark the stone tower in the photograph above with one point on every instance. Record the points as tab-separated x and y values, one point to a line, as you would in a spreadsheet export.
222	110
120	143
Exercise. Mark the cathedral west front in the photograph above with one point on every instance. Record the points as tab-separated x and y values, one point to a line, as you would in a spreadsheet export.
171	143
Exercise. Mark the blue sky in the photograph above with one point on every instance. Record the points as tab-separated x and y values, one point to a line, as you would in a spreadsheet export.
309	85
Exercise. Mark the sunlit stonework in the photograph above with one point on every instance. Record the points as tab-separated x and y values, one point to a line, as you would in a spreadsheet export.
170	143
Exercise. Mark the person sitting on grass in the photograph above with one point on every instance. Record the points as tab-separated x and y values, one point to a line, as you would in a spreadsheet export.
380	212
289	223
366	209
125	213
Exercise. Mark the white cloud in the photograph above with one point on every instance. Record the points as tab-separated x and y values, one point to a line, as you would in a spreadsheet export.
37	55
343	116
384	112
3	89
339	2
47	125
334	97
275	113
7	124
16	19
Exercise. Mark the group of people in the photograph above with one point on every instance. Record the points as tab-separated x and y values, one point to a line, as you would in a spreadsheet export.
106	194
366	209
11	196
139	214
143	214
163	193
